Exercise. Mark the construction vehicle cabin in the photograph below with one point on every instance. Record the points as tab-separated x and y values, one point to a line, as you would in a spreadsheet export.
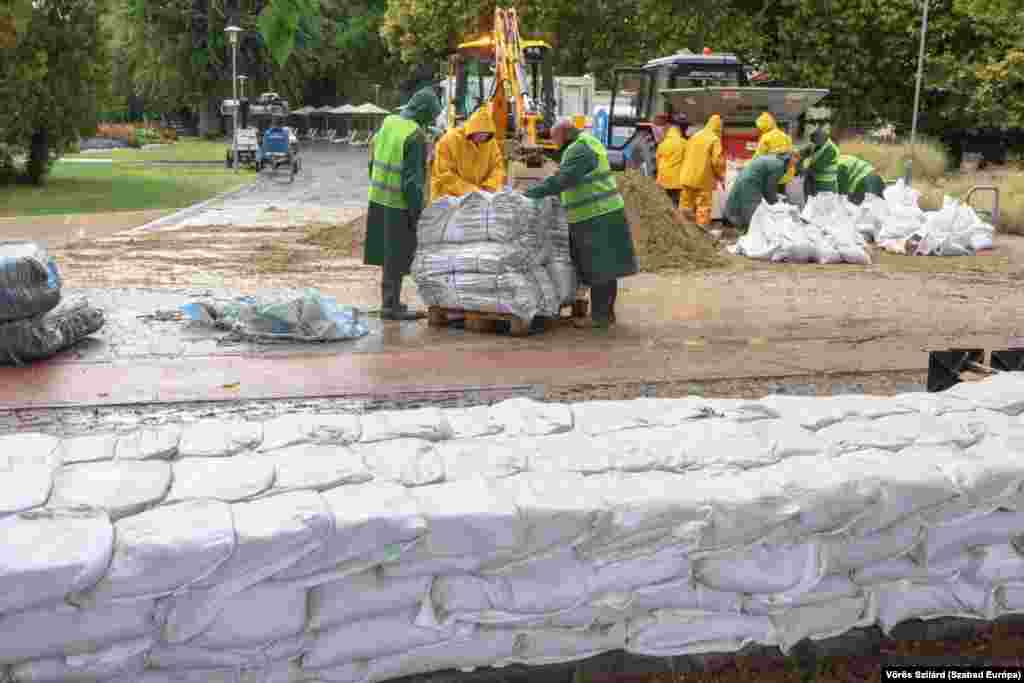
512	76
697	86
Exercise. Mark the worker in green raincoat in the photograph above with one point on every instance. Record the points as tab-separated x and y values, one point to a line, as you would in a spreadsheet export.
820	166
858	178
398	178
759	179
599	235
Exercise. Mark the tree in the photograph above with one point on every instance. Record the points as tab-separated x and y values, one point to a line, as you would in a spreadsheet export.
53	80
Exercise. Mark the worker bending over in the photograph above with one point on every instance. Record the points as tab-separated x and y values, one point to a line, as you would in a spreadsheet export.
670	156
820	164
758	180
857	178
599	236
468	159
774	140
398	170
703	169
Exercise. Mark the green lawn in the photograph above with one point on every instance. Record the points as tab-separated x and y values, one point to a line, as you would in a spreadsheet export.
101	187
185	149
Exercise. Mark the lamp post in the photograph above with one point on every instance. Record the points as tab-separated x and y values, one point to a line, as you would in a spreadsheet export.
242	79
917	92
376	97
233	32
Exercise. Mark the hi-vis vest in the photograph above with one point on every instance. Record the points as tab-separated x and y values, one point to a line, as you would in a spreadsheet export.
388	155
824	163
598	194
852	172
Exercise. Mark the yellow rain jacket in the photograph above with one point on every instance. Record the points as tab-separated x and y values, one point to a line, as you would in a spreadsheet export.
461	166
704	164
671	153
773	140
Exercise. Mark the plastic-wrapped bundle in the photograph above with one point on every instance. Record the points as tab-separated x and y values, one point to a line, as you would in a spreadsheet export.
549	303
482	257
514	293
29	281
477	217
560	266
44	336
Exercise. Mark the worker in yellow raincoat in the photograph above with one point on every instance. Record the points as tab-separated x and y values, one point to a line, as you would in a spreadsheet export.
774	140
670	156
703	170
468	159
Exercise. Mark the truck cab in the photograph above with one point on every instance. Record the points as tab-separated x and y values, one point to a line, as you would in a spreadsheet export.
694	86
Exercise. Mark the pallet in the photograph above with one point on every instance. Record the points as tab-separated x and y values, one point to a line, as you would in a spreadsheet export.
481	321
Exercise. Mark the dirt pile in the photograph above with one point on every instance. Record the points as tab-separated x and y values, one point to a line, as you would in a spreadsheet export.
340	240
662	240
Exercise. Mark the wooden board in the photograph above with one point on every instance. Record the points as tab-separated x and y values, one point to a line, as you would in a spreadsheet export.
486	322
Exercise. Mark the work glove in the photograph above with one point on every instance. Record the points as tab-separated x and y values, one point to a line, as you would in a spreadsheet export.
538	204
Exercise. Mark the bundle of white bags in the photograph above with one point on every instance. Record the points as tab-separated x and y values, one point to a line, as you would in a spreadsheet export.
824	233
902	227
360	548
493	253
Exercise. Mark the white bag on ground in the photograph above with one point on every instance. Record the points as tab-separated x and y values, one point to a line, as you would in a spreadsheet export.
482	647
474	517
121	488
671	633
291	430
996	528
28	462
763	569
488	457
418	423
256	617
127	658
899	602
526	417
831	588
228	479
409	462
822	620
844	552
48	554
318	467
217	438
161	551
555	646
1000	564
149	443
685	594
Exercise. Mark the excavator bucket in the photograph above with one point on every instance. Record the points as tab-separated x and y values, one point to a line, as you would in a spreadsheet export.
739	106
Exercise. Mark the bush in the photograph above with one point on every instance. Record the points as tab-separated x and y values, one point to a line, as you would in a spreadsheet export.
930	157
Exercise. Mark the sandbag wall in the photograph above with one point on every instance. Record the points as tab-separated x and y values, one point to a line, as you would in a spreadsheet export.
368	547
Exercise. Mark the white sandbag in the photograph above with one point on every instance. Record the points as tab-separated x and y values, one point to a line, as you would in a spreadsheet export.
63	629
564	276
414	563
160	551
430	229
473	257
418	423
831	588
860	434
599	417
483	647
472	422
368	519
256	617
546	586
745	507
899	602
556	646
549	304
374	637
645	450
473	517
734	409
512	293
992	472
683	593
723	442
219	438
958	429
190	658
844	553
365	595
409	462
909	486
996	528
229	479
491	458
822	620
623	576
817	412
670	633
645	511
47	554
90	448
1003	393
763	568
769	233
350	672
568	452
1009	599
903	568
27	462
280	672
121	488
526	417
291	430
554	511
1000	564
318	467
149	443
121	659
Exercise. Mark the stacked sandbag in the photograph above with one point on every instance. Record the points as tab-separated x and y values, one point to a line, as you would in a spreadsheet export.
34	324
903	228
825	232
560	267
486	252
362	548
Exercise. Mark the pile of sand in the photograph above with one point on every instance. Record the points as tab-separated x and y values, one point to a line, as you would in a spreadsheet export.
345	240
662	240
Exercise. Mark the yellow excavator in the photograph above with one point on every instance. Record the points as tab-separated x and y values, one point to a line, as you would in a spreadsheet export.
514	78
